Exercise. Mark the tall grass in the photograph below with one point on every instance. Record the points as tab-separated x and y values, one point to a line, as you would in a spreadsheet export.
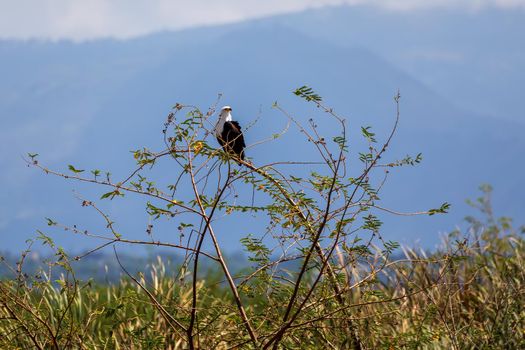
470	294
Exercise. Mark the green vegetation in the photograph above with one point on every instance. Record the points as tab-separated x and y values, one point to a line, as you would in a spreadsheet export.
320	274
468	295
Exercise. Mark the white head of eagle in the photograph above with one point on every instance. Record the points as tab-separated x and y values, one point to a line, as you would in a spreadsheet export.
229	134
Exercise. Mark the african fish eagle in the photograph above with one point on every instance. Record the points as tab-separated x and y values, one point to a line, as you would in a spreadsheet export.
229	134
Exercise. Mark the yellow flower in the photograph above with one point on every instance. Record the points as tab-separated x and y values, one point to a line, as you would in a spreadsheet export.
197	147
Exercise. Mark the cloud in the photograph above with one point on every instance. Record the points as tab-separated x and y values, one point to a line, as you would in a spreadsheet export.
81	19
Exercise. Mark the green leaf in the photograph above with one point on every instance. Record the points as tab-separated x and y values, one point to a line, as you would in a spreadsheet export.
368	134
341	141
106	195
72	168
372	223
112	194
45	239
441	210
308	94
50	222
390	246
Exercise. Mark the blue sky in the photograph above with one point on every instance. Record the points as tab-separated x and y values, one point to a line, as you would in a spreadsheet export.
80	19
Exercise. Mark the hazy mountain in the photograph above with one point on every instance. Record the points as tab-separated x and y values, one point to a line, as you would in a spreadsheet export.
89	104
473	58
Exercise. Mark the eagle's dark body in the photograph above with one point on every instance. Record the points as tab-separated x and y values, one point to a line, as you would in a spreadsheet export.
231	139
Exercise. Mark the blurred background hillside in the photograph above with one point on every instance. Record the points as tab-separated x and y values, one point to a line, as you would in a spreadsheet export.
87	97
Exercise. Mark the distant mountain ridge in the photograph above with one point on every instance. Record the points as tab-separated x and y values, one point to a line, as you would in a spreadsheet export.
90	104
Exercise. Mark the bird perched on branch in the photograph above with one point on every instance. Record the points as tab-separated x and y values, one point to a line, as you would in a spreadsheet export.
229	134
